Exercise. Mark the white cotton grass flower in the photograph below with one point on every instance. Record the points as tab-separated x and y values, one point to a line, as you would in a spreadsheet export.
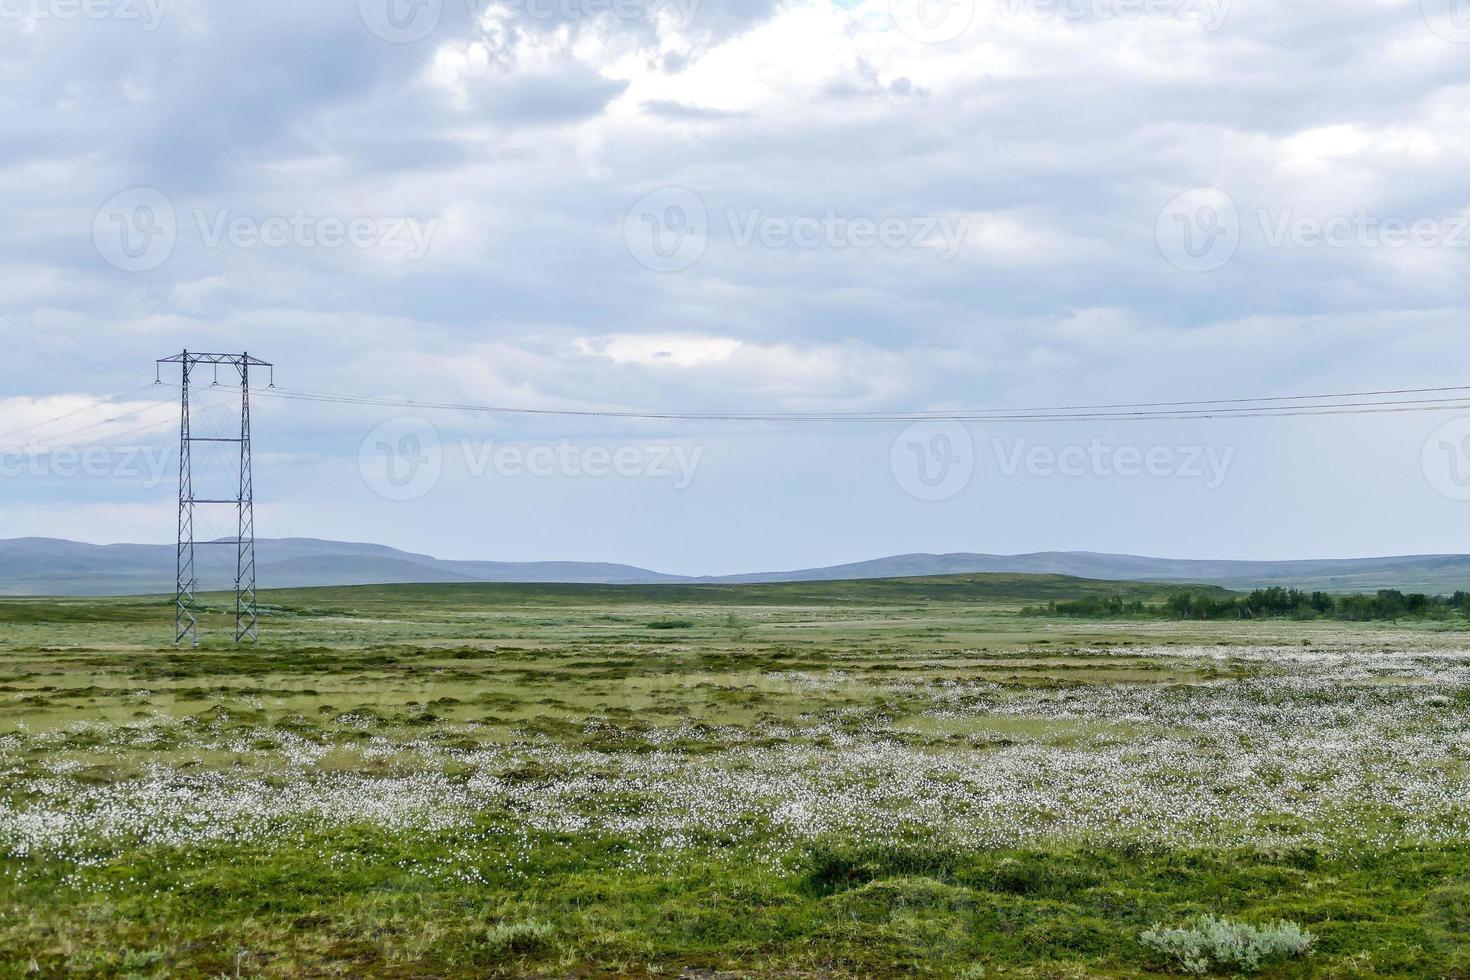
1294	745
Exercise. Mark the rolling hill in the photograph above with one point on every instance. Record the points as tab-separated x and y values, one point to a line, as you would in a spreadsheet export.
1410	573
50	566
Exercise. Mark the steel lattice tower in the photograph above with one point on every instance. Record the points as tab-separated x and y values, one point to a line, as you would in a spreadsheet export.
186	619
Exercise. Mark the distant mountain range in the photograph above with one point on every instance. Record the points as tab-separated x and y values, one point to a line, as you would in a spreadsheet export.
50	566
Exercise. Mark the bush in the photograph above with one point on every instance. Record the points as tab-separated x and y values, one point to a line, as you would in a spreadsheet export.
1207	941
833	866
517	937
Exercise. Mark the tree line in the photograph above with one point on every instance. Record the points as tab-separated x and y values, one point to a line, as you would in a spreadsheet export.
1275	602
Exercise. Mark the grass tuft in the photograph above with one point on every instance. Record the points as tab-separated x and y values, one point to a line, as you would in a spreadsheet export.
1207	943
518	937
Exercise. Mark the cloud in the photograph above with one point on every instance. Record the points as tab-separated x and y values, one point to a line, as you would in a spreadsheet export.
671	109
523	134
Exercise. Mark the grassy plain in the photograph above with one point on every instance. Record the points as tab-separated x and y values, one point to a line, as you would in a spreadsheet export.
827	780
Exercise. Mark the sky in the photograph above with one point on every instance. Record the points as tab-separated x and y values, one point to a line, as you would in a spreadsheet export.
736	206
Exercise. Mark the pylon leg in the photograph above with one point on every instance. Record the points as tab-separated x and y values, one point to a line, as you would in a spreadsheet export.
186	622
247	624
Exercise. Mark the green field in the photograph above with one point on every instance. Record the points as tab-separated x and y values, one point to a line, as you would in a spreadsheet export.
820	780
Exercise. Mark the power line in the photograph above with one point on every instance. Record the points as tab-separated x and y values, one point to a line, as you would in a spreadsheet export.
1366	403
85	408
111	420
113	436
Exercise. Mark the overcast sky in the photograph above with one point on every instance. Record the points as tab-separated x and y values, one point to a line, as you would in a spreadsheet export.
734	206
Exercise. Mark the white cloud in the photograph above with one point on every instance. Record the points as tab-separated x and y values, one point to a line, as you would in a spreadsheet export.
527	141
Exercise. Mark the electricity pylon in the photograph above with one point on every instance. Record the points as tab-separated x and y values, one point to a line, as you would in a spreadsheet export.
186	585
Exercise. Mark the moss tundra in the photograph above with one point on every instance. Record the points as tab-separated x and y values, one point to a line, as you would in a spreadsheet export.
832	779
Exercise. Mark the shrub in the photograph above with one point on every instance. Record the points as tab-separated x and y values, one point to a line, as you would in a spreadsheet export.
1206	941
834	866
517	937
